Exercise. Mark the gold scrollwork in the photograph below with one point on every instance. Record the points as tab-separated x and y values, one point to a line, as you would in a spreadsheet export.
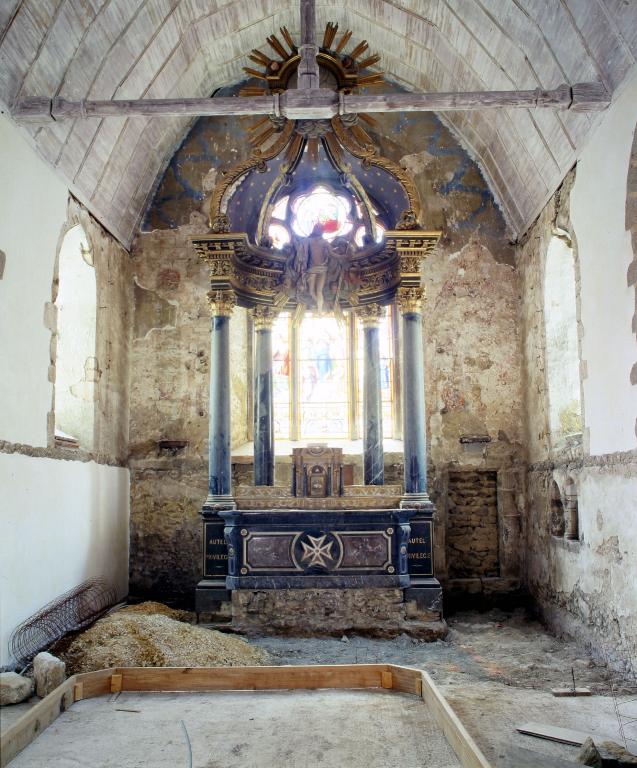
369	155
221	303
257	159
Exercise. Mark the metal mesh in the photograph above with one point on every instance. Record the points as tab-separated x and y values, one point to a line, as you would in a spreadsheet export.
70	612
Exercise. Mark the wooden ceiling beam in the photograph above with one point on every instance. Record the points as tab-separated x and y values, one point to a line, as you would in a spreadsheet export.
315	103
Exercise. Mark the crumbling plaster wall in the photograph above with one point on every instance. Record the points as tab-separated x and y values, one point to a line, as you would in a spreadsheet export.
472	347
586	587
64	512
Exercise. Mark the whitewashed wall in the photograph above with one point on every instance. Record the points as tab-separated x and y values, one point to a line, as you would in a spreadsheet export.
598	214
60	521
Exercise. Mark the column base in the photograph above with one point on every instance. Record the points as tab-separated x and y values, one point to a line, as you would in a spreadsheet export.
210	594
417	501
215	504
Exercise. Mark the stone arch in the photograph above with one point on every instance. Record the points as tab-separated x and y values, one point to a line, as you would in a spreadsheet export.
571	522
562	352
73	357
556	511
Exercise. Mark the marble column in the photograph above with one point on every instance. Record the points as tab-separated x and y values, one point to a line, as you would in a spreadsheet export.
373	461
413	376
220	467
263	397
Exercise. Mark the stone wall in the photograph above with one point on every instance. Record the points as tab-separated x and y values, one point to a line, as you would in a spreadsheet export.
472	525
472	347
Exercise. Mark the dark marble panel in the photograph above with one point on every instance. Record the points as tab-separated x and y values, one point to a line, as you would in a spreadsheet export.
365	550
269	550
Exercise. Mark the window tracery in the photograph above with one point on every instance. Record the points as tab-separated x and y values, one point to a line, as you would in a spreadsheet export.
337	213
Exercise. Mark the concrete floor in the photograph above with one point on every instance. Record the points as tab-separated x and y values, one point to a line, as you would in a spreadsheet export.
282	729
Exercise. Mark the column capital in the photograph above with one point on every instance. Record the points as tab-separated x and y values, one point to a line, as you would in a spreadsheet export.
263	317
370	314
221	303
410	300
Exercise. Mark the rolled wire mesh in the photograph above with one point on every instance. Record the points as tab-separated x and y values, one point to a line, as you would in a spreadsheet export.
74	610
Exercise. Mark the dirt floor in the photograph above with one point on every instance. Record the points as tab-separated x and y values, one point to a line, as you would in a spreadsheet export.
496	670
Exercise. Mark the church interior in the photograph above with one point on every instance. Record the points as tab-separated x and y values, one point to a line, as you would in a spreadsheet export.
319	383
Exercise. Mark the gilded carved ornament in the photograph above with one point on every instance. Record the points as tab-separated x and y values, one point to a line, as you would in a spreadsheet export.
370	315
221	303
410	300
263	317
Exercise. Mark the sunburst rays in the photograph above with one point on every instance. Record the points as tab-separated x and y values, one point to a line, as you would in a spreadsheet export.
275	71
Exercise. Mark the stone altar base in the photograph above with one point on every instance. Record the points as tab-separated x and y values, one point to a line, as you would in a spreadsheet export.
382	613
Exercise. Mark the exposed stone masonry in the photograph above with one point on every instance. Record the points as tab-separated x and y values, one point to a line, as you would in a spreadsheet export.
472	524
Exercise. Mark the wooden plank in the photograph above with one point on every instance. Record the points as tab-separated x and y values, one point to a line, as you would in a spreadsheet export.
457	735
386	680
317	103
406	679
33	722
116	683
78	692
563	735
564	692
251	678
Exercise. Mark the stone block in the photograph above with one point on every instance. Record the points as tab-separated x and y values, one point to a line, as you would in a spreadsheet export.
49	672
14	688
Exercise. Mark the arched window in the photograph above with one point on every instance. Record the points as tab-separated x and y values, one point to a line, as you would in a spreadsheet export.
562	357
318	368
76	369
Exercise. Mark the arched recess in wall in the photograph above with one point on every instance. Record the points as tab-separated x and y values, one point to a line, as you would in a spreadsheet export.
571	521
557	522
562	354
76	369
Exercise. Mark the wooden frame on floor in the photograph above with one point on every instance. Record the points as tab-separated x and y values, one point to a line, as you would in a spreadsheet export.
210	679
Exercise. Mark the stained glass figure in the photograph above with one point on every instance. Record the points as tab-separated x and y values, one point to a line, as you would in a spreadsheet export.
281	370
323	401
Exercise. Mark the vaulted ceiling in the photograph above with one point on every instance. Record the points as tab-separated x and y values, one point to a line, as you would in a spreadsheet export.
102	49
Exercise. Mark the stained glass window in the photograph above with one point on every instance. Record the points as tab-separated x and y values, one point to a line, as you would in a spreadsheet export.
281	375
318	370
338	214
323	362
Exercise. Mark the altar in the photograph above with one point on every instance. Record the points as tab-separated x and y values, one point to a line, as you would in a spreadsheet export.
318	224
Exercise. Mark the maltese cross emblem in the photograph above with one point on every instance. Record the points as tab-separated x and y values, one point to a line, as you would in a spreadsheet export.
317	551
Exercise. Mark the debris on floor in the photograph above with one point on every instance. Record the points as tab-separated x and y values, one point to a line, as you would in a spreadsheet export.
132	638
48	673
14	688
153	608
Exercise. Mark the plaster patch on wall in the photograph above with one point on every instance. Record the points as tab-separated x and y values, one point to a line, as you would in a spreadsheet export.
152	312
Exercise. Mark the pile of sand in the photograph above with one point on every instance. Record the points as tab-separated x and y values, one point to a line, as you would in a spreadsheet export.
130	638
150	608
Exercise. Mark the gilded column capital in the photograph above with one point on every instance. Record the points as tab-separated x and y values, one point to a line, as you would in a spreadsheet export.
264	317
370	314
221	303
410	300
